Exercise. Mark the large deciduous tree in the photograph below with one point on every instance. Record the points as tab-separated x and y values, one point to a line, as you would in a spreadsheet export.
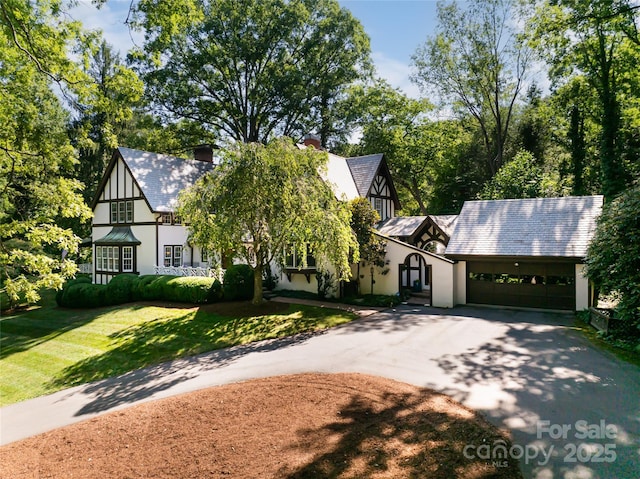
262	200
36	157
105	115
399	126
477	64
581	37
250	69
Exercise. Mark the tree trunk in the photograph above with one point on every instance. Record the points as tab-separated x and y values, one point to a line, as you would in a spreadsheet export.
257	284
578	151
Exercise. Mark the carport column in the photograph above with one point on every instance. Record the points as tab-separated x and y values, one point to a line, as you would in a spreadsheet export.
460	283
582	289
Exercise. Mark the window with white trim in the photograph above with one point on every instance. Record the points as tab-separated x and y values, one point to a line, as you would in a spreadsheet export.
122	211
127	259
108	258
173	255
377	205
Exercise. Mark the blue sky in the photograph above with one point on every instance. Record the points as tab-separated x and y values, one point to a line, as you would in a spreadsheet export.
396	28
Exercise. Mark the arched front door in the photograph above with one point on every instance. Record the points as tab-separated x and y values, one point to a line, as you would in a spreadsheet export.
415	275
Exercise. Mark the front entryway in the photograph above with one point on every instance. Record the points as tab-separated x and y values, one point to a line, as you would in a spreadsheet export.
415	277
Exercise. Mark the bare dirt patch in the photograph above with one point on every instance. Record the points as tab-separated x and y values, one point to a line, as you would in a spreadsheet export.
302	426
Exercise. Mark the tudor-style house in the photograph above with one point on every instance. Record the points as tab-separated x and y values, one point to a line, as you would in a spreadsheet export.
522	253
135	229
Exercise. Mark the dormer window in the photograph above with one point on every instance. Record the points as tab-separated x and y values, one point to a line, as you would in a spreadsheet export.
122	211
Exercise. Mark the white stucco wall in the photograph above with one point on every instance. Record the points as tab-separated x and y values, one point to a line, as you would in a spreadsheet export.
442	274
101	214
298	281
146	251
582	289
460	283
173	235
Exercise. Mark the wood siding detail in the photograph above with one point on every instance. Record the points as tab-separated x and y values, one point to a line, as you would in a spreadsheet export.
381	198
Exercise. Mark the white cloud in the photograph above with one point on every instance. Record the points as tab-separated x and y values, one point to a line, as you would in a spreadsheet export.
396	73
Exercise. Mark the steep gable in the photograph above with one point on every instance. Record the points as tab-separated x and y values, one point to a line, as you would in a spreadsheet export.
363	170
159	177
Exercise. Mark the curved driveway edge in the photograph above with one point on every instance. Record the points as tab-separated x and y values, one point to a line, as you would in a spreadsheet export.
568	405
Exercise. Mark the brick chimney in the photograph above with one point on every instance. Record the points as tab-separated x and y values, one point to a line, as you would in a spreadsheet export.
312	140
203	153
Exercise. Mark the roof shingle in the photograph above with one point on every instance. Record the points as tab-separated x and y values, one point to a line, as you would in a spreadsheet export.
162	177
364	169
538	227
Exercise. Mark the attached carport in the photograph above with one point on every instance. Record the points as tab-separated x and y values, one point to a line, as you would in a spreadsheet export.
522	283
525	252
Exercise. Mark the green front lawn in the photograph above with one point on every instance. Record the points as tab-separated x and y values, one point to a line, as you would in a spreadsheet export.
48	348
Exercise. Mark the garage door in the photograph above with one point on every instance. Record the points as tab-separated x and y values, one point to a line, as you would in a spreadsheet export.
521	283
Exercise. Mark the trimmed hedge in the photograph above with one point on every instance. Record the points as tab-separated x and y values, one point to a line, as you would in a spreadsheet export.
121	289
60	299
124	288
237	283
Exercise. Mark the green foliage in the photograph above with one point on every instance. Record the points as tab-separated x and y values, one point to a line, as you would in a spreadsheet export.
188	289
251	70
85	295
397	126
121	289
37	194
477	63
125	288
67	285
375	300
519	178
104	115
216	292
595	40
238	283
371	247
613	260
326	284
262	199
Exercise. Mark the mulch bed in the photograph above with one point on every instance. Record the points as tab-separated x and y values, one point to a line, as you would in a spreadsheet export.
301	426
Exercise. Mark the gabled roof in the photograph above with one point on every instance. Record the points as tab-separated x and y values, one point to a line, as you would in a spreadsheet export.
446	223
539	227
407	226
401	226
160	177
338	175
363	170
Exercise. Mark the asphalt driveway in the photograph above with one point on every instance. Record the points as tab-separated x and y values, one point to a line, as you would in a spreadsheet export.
573	411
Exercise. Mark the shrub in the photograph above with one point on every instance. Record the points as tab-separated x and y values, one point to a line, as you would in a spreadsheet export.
215	292
141	290
184	289
237	283
84	295
613	260
78	280
154	289
121	289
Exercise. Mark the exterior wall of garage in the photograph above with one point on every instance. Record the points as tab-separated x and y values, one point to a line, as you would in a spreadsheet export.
583	289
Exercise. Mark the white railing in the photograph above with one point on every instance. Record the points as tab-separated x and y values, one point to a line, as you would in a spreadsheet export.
217	273
85	268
